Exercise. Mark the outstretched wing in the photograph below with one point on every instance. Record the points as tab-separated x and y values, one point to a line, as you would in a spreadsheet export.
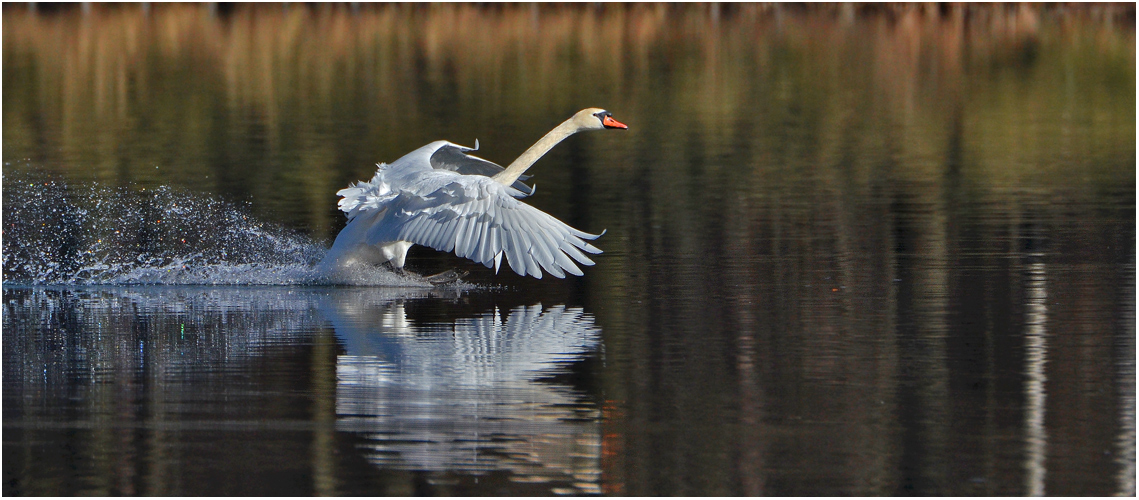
455	158
479	219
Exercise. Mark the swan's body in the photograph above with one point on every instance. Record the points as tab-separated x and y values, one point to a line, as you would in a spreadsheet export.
441	197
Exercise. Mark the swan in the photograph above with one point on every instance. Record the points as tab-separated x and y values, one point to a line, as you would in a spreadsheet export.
441	197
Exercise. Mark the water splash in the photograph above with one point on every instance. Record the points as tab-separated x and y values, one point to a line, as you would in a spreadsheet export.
57	233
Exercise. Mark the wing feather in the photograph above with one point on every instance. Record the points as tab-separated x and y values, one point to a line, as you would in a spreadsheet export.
518	246
417	229
474	235
460	240
449	234
537	250
542	250
484	245
430	233
571	250
560	257
564	262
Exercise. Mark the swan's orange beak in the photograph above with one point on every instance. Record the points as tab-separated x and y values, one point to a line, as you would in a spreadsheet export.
609	122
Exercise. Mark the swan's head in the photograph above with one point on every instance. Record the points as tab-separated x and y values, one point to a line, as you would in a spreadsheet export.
596	119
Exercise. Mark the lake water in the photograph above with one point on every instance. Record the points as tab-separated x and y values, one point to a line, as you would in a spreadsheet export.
848	251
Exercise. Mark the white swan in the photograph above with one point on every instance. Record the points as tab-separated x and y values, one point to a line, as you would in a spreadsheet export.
441	197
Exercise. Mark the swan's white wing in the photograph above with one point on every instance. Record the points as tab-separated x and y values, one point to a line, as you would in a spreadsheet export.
479	219
455	158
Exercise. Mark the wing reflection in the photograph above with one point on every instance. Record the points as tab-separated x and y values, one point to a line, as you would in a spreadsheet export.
463	395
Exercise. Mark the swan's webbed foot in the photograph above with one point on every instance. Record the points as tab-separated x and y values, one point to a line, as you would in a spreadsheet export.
399	270
446	277
443	278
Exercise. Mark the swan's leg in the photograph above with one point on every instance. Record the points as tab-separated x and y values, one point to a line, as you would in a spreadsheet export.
396	253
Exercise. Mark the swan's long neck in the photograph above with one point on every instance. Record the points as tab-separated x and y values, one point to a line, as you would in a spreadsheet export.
547	142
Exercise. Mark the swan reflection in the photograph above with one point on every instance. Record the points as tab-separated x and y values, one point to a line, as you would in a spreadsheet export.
466	395
462	392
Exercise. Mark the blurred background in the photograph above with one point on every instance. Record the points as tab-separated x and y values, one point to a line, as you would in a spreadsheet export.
869	249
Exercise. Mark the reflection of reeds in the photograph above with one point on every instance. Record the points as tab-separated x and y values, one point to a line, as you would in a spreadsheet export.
93	71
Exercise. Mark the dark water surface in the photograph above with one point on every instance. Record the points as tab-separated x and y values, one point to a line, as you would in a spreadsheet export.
847	253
